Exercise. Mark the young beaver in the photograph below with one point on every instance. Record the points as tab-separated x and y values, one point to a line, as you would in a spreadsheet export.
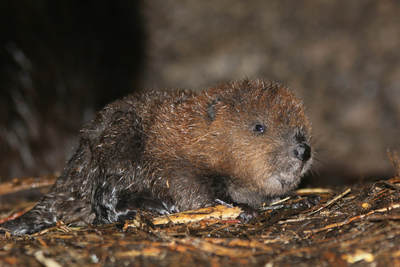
242	142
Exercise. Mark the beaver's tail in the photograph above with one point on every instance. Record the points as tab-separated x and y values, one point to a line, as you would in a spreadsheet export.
36	219
68	200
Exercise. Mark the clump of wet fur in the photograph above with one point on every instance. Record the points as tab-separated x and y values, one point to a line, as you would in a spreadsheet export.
242	142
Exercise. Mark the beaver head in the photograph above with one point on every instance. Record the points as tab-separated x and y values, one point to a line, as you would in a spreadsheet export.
260	139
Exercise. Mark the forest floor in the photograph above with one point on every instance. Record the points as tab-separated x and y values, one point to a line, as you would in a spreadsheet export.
351	225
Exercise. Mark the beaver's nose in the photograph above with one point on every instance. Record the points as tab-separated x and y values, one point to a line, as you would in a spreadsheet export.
302	151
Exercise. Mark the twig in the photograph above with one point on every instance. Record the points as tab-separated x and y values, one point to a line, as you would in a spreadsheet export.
15	215
339	224
26	183
385	218
300	219
330	202
390	185
308	191
279	201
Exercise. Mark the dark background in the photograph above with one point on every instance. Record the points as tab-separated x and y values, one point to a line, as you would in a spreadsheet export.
61	61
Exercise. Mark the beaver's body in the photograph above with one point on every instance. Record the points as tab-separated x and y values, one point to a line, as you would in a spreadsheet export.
242	142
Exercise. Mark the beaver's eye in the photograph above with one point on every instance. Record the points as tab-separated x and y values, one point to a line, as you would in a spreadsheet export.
259	128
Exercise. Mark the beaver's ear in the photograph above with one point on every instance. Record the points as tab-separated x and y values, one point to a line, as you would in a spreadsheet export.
212	108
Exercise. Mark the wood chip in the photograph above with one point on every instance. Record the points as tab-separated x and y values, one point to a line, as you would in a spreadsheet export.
358	255
218	212
146	252
45	261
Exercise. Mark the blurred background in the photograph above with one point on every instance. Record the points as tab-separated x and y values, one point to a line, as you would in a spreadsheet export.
61	61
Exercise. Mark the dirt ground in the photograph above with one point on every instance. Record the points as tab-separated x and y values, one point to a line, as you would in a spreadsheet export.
352	225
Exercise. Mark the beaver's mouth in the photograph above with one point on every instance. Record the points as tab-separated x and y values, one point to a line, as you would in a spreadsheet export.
285	177
288	182
281	182
290	176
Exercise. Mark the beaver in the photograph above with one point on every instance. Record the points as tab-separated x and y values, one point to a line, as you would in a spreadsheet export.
242	142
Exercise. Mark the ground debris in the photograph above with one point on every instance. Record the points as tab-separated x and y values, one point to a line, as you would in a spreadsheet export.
218	212
317	226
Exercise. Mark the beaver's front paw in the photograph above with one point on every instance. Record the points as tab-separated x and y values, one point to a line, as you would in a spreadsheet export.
248	213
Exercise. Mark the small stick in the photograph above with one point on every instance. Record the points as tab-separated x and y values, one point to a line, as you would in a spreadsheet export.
330	202
384	218
15	215
279	201
300	219
24	184
393	186
339	224
308	191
